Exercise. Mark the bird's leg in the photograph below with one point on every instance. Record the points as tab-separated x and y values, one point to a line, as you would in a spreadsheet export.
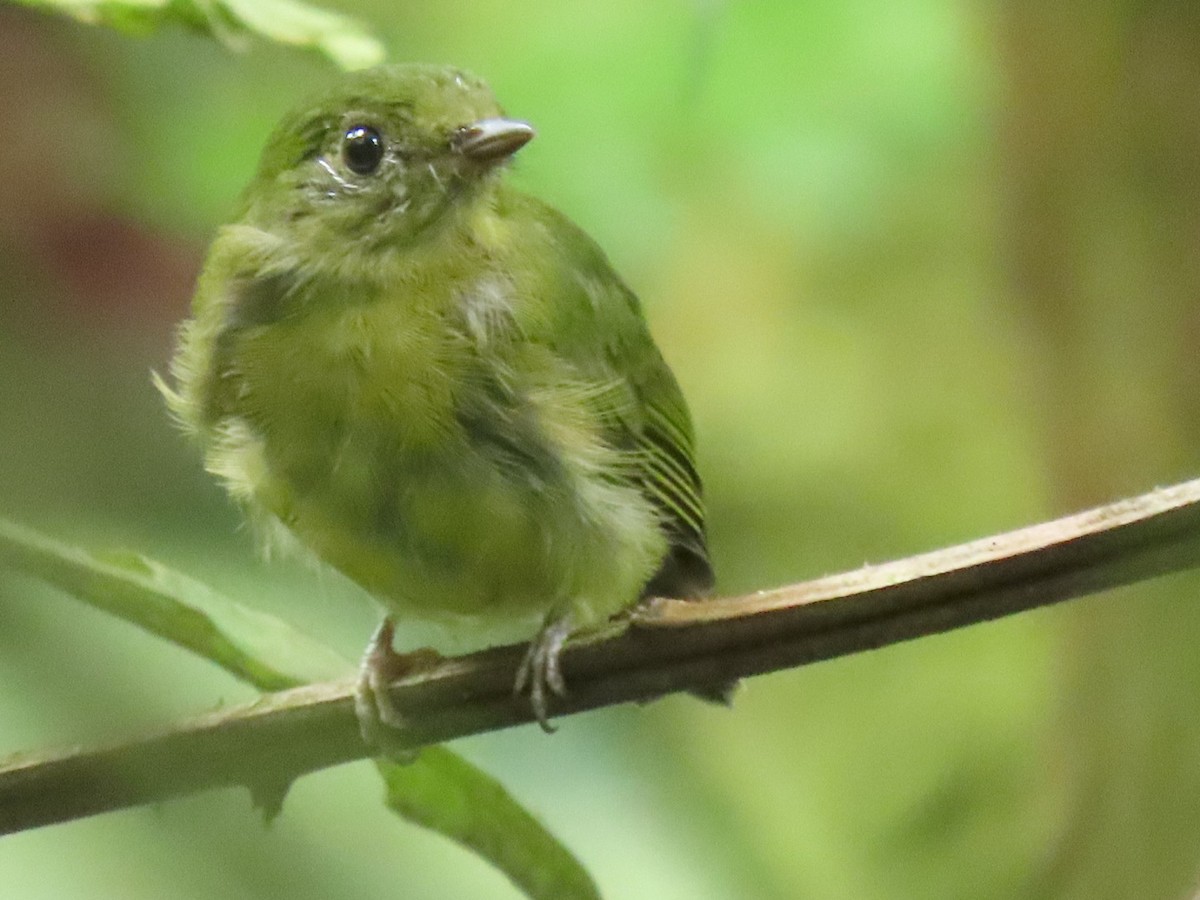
378	719
540	670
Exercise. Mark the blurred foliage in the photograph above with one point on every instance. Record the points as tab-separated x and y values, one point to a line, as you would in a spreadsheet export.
256	648
926	271
232	22
443	792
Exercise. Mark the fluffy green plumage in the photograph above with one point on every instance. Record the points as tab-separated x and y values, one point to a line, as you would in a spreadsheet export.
436	383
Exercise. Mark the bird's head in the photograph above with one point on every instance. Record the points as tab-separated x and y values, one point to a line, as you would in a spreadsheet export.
381	158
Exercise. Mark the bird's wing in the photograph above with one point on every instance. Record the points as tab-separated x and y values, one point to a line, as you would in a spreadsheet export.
594	323
665	451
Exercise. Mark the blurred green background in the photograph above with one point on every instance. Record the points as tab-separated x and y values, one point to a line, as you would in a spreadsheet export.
926	271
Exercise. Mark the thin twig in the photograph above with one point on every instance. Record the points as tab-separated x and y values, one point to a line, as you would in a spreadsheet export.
666	646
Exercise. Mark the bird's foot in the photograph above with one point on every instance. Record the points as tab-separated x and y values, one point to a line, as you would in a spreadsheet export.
540	670
379	721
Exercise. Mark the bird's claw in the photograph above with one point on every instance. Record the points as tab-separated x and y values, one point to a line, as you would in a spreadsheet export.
379	721
541	671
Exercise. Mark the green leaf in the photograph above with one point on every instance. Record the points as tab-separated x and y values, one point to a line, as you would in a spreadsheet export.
289	22
341	39
444	792
249	644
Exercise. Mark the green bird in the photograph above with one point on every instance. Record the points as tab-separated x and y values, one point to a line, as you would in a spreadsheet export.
437	384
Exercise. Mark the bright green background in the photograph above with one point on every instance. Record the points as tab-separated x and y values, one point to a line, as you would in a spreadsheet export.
926	271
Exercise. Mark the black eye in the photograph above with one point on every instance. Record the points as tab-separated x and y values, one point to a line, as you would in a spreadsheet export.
362	148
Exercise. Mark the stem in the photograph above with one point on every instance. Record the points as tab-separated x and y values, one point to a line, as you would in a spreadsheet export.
664	646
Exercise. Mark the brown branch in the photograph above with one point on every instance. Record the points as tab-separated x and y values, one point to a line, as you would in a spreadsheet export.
668	645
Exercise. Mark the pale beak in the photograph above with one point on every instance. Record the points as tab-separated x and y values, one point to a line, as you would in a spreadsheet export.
492	140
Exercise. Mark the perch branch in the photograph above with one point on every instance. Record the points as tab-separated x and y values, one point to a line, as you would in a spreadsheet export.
665	646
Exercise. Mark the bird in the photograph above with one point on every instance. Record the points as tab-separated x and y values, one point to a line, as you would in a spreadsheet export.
398	363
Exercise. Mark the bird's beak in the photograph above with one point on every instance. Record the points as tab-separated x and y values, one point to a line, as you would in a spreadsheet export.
492	140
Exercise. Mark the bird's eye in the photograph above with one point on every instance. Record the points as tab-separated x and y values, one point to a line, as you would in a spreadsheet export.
362	149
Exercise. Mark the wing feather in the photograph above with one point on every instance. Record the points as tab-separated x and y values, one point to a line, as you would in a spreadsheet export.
589	318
